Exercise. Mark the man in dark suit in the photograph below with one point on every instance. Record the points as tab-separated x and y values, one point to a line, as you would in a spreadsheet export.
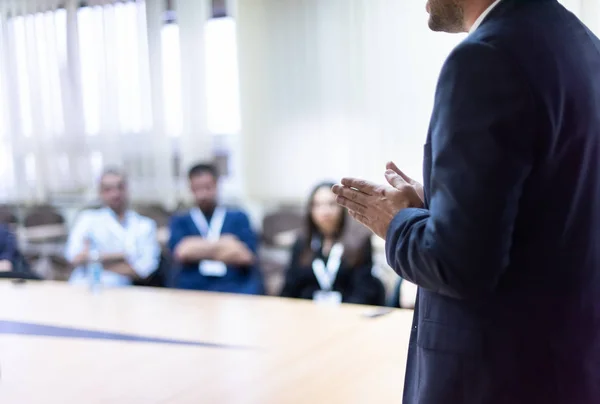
504	242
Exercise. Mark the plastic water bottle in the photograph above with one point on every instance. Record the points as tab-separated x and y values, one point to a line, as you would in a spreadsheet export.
95	269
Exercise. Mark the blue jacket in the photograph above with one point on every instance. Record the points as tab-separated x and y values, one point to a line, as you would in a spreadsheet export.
506	251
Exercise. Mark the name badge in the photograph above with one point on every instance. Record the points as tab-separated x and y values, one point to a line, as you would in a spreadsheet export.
212	268
327	297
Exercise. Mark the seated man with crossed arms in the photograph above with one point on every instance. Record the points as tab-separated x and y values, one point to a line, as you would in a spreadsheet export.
123	241
215	247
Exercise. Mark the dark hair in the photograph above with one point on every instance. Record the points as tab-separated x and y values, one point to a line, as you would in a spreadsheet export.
113	171
353	242
203	168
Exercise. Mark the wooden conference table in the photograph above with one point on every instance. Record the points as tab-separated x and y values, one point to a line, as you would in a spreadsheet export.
63	344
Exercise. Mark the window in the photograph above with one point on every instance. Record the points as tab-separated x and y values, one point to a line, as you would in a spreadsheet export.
17	30
48	58
171	66
222	83
114	68
89	22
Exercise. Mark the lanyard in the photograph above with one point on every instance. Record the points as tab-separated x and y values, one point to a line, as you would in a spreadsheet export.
211	231
326	274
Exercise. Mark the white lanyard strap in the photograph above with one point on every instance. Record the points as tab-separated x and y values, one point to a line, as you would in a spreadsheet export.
326	274
210	231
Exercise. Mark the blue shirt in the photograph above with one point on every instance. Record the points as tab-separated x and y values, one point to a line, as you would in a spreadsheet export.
245	280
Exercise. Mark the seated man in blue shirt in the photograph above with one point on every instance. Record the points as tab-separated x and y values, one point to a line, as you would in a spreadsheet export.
215	246
124	241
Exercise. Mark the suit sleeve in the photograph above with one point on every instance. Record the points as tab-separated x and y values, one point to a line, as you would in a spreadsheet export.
147	259
482	138
78	234
291	286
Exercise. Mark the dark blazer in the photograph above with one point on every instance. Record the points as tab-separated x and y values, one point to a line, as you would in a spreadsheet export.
506	251
355	282
245	280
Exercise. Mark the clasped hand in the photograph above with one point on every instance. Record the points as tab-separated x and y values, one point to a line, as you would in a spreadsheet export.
376	205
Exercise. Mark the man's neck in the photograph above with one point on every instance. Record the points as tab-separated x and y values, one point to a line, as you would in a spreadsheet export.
208	210
472	11
120	213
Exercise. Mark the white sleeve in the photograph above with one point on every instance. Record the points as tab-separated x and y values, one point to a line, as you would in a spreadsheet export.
77	236
147	256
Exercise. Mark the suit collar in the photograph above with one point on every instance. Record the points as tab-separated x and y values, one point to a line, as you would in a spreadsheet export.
501	7
483	15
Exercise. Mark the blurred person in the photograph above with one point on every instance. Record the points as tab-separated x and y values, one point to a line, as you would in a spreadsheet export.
8	249
125	242
404	295
503	236
12	262
330	262
214	246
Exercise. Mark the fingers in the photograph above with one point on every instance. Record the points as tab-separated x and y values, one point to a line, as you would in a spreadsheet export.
351	194
392	166
394	179
351	205
362	219
363	186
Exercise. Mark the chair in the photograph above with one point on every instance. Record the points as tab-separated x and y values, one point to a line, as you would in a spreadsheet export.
163	277
161	216
8	215
279	232
284	222
44	235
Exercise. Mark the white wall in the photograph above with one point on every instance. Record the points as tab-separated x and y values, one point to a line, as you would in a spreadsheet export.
333	88
338	87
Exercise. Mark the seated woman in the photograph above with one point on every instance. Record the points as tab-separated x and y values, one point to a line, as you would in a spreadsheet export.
329	261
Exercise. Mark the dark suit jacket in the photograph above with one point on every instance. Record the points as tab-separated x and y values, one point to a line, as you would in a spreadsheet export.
244	280
507	249
355	282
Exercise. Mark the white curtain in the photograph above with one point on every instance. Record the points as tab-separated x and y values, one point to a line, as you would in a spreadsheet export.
77	95
333	88
112	84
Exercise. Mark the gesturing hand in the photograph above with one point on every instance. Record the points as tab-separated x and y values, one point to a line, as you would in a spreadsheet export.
376	205
418	187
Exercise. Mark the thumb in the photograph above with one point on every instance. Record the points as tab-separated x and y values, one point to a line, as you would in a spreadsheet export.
392	166
394	179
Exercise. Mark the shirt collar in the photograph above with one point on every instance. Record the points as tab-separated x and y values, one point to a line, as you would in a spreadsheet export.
127	218
480	19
